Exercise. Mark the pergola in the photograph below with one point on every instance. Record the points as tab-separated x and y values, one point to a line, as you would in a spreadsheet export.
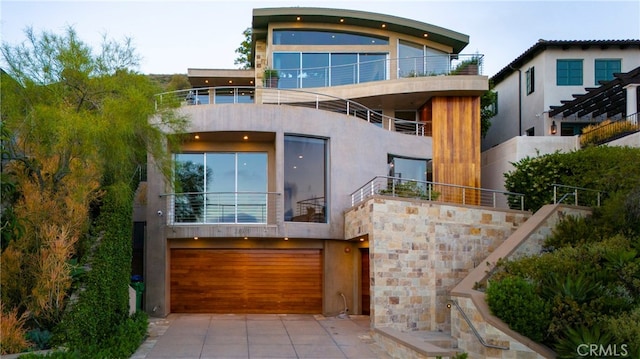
610	99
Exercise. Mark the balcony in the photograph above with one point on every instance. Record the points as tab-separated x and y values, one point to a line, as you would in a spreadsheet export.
246	208
289	97
370	71
433	191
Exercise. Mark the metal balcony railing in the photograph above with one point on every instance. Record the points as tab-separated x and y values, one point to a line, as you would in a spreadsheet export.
223	208
433	191
377	70
299	98
577	196
609	130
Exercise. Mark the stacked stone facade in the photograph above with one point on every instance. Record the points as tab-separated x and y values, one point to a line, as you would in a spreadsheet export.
420	250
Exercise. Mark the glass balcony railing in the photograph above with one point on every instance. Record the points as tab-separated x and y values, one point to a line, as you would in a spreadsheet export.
376	70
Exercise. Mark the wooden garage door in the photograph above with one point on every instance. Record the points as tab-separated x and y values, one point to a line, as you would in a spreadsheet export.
246	281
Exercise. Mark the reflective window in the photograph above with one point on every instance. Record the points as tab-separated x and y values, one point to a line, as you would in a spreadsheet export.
344	69
437	62
409	168
411	59
317	37
315	70
304	70
373	67
305	163
221	188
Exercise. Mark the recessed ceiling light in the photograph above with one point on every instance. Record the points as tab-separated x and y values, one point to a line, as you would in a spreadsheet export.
286	238
384	25
341	20
245	137
426	35
300	156
206	81
298	18
197	137
196	238
230	81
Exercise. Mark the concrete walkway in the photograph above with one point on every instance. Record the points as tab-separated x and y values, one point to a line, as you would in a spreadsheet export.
182	336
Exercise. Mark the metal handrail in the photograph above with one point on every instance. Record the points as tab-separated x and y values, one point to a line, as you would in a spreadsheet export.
574	193
432	191
474	330
223	208
289	97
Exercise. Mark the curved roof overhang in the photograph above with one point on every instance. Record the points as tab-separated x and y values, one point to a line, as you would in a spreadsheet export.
263	17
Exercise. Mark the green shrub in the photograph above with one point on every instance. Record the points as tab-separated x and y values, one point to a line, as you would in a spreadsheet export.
567	347
98	323
515	301
607	169
625	329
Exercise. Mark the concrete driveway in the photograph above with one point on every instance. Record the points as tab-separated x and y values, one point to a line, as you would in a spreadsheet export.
229	336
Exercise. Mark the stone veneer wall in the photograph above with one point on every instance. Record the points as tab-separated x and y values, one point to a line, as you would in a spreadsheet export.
528	240
420	250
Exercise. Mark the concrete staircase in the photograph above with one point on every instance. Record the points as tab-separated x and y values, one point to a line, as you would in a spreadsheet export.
418	344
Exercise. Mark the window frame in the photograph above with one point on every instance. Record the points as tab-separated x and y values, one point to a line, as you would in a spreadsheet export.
530	80
566	78
609	72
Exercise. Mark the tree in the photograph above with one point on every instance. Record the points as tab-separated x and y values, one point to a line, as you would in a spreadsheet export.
488	106
74	123
244	51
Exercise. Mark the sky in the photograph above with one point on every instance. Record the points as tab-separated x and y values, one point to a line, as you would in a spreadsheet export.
173	36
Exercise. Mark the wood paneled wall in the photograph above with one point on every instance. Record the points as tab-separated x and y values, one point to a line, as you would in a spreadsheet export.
456	142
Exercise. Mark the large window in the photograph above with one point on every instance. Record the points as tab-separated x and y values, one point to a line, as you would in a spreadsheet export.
305	184
419	60
309	69
220	187
605	69
407	168
569	72
317	37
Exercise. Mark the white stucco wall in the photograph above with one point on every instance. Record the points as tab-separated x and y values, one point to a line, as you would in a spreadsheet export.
497	160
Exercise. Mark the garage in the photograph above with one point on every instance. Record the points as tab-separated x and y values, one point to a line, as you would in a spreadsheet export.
246	281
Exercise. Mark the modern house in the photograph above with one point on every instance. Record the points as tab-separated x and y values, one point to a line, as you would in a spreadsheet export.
254	219
536	89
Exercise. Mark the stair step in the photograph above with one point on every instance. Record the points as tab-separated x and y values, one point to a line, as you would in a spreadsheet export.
441	339
420	342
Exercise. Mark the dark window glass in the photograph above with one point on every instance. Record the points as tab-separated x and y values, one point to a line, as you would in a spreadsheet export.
569	72
530	80
408	168
315	70
305	163
344	69
317	37
373	67
605	69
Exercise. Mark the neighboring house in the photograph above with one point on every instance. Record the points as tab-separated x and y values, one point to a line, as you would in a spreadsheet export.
533	88
548	73
255	219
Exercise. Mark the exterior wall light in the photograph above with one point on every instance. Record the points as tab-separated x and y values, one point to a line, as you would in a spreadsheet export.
554	128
